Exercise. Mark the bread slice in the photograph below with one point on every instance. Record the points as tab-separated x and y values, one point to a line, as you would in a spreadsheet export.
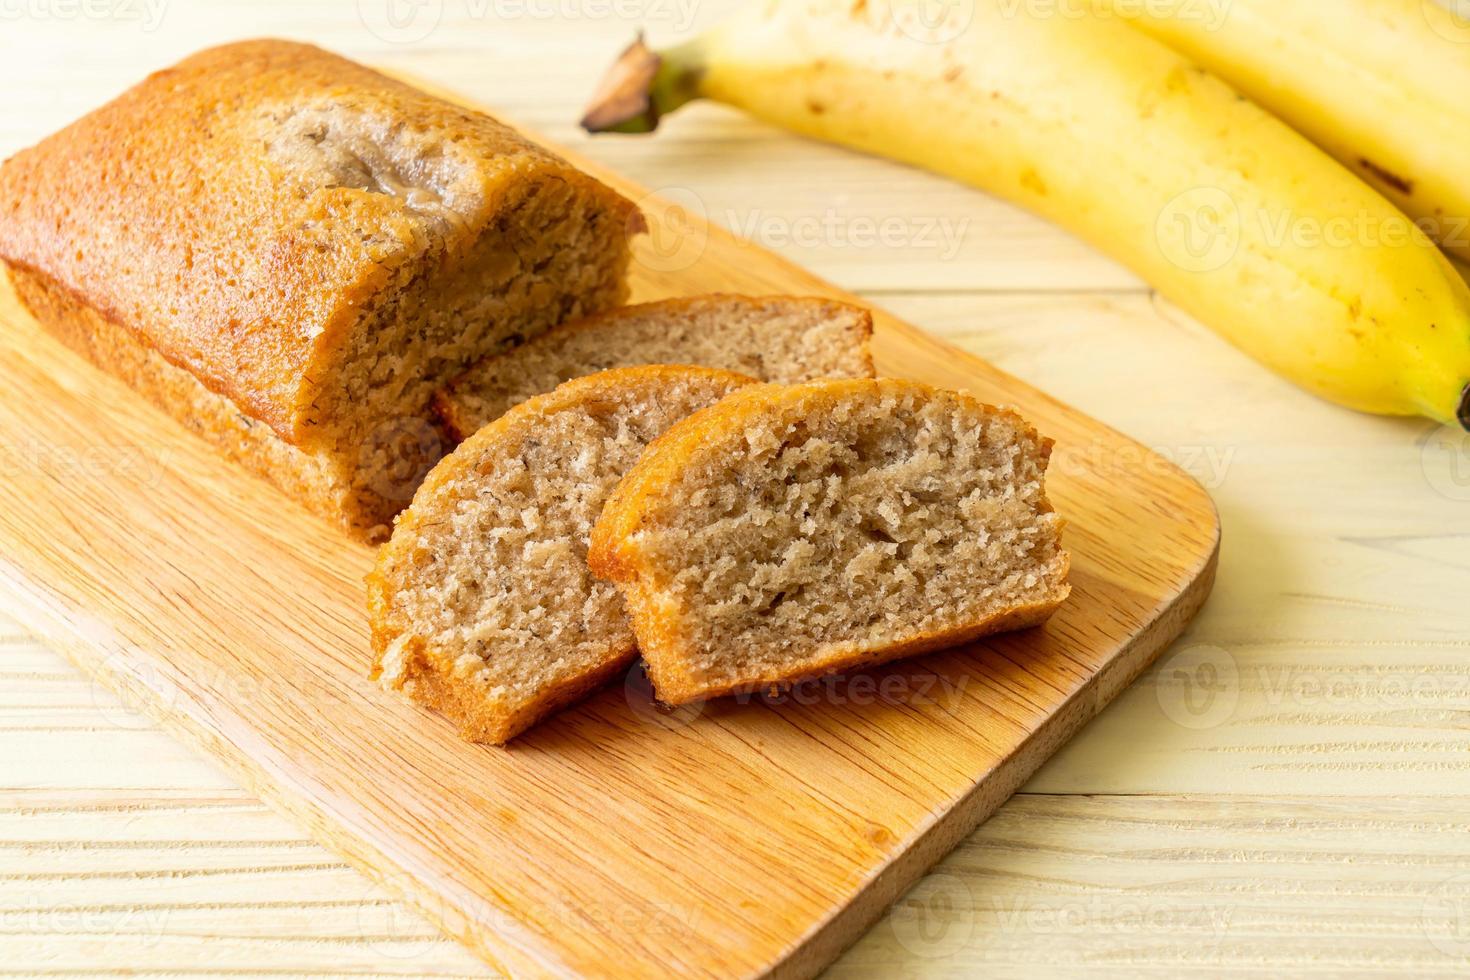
481	604
291	253
771	338
789	532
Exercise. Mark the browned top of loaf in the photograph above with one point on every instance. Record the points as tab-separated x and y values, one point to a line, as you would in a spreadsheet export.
239	209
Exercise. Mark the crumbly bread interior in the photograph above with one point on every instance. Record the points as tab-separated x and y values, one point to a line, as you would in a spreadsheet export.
830	525
551	254
773	338
484	587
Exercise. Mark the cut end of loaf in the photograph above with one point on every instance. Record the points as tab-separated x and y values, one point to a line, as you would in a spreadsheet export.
557	253
785	339
482	606
791	532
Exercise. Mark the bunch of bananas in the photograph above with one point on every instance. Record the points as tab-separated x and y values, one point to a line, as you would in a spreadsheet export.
1162	132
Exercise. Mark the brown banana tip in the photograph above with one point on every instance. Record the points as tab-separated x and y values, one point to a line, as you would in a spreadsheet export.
623	101
1463	414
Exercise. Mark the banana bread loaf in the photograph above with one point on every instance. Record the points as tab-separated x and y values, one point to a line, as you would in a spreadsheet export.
771	338
789	532
481	604
291	253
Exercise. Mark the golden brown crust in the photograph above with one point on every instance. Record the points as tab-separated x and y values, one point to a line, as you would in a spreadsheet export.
178	393
427	675
172	212
458	427
644	494
429	683
676	686
576	392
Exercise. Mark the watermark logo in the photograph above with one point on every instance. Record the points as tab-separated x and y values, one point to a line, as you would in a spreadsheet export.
932	21
398	454
678	230
1445	917
1450	19
1444	456
400	21
1199	230
936	918
1198	687
393	928
638	690
123	690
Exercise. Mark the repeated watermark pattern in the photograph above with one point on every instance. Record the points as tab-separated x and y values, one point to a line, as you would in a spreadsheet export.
129	690
1200	686
146	14
397	454
941	915
1210	14
1445	917
908	685
412	21
944	21
395	929
932	21
936	919
1445	458
1450	19
1210	465
678	230
939	235
1111	914
1203	228
68	464
142	925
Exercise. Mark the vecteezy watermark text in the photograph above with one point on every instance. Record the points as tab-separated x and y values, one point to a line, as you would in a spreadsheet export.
1210	13
411	21
1202	229
148	14
832	229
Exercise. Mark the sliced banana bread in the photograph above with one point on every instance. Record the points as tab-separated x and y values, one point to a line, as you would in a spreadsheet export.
481	604
292	253
771	338
788	532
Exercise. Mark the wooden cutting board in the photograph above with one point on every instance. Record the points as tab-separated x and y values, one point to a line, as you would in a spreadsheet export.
738	839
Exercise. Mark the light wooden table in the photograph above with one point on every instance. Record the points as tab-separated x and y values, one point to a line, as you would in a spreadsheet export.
1286	792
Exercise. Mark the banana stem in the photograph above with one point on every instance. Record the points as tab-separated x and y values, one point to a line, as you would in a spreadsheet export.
642	86
1464	412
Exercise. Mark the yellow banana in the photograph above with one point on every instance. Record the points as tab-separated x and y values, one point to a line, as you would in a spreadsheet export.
1112	134
1382	85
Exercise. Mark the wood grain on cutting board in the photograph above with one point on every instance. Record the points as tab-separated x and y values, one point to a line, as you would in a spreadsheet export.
739	839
